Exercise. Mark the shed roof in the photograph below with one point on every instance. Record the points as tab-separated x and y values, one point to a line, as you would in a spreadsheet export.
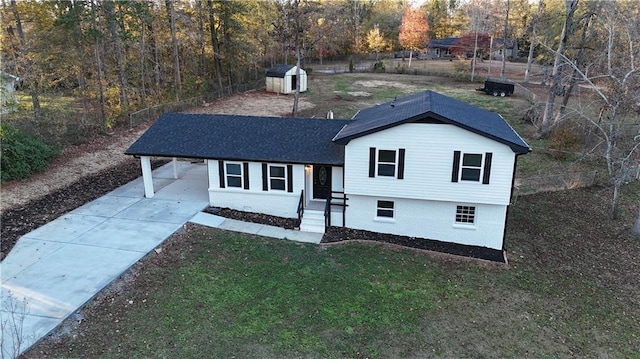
279	70
429	105
248	138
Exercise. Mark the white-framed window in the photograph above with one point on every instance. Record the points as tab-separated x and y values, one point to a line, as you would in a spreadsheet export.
278	177
465	215
471	169
233	174
385	209
386	163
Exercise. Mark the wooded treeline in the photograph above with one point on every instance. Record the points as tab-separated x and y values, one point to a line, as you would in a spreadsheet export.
115	57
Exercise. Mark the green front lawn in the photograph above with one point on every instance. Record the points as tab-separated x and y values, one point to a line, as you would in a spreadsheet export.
571	290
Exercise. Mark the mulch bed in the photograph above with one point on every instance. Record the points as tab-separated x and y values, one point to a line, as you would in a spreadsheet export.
340	234
19	221
287	223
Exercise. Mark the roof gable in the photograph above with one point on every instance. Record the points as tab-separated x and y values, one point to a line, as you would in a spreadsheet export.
242	138
279	70
428	104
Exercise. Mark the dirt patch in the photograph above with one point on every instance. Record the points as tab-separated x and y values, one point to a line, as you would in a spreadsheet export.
355	93
381	83
256	103
101	153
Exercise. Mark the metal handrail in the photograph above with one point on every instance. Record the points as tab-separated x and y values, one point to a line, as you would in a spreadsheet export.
329	203
301	205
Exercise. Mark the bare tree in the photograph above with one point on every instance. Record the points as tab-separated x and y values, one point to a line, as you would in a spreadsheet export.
532	43
217	62
171	13
25	74
614	78
109	7
557	88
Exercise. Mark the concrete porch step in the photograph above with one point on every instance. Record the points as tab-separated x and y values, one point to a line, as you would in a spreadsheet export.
312	221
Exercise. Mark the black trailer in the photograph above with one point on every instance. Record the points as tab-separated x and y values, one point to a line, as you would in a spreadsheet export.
497	88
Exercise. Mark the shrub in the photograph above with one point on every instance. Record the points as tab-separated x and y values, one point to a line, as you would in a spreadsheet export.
565	141
379	67
22	155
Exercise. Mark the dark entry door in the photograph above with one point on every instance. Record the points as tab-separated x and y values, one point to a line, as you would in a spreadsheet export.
321	181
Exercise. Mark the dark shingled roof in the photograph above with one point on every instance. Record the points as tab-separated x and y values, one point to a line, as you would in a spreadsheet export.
443	43
430	106
247	138
279	70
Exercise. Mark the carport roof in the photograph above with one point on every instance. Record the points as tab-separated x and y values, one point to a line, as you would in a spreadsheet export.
242	138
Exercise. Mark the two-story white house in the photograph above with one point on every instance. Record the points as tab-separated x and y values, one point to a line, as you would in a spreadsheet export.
426	166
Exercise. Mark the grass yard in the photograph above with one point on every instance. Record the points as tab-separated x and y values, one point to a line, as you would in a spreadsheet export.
571	290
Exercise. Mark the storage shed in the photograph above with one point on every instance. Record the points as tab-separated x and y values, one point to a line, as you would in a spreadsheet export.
8	100
283	79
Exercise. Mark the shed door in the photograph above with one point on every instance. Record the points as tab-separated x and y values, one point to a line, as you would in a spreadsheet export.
321	181
294	82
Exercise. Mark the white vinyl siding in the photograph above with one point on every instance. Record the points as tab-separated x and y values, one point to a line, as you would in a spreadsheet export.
428	165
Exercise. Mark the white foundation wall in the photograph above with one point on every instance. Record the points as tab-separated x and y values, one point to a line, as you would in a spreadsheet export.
429	219
272	202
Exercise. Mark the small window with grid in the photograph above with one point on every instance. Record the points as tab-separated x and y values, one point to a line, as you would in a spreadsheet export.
385	209
465	214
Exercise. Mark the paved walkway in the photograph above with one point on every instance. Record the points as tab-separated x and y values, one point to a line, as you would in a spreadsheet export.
60	266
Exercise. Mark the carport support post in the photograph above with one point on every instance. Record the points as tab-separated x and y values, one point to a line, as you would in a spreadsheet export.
175	168
147	176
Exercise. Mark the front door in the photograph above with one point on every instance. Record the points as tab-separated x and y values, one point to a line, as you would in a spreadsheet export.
321	181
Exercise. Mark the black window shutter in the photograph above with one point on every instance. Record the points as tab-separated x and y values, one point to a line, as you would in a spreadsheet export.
401	163
265	178
372	161
245	167
456	166
487	167
289	178
221	172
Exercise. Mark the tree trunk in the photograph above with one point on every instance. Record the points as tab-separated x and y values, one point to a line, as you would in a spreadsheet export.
556	76
636	227
579	61
109	7
203	62
504	44
99	70
174	45
143	74
615	201
156	57
297	29
215	45
534	25
33	84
